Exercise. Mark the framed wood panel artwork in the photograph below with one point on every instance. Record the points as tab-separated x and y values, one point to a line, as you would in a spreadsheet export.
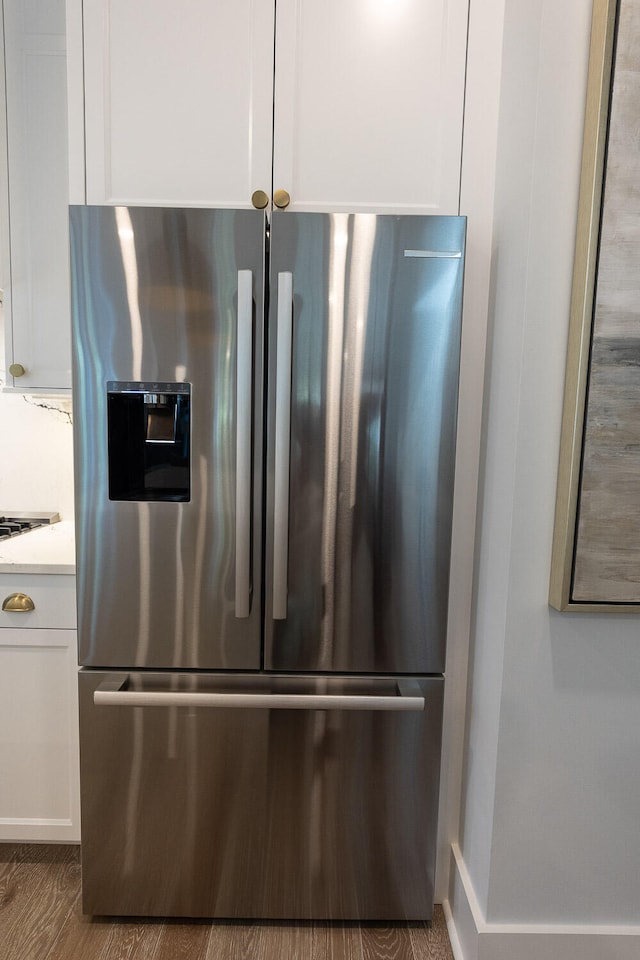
596	545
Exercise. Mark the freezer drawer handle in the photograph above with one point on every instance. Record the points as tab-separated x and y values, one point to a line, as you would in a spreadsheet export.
243	443
114	693
282	445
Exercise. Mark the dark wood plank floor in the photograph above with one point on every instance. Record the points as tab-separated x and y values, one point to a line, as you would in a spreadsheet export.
41	919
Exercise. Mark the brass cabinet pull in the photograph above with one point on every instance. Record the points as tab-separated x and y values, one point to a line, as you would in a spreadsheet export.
259	199
17	370
281	199
18	603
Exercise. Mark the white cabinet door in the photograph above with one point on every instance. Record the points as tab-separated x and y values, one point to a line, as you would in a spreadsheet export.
39	784
369	104
35	248
178	101
39	764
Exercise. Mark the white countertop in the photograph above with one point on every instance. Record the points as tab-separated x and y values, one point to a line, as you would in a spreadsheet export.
49	549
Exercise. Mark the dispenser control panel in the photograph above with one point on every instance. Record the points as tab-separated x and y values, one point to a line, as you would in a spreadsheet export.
149	433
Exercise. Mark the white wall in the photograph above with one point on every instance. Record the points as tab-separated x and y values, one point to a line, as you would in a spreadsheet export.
549	841
484	67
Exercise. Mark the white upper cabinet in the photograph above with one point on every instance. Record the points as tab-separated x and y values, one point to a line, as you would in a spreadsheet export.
185	103
368	104
178	101
34	253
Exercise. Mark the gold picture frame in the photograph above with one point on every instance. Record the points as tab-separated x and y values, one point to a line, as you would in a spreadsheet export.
594	158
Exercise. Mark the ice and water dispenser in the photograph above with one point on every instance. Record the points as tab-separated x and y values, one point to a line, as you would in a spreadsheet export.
149	440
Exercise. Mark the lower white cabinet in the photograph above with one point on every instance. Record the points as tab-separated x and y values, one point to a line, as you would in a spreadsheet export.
39	769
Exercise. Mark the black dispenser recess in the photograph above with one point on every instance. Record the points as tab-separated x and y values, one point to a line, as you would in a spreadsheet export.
149	441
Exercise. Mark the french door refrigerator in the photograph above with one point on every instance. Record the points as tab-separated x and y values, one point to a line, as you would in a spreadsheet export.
264	428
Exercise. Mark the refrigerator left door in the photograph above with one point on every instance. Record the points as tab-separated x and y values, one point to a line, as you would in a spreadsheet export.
167	309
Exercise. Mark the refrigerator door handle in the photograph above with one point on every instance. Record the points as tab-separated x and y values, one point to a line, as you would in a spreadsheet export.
113	692
244	373
282	445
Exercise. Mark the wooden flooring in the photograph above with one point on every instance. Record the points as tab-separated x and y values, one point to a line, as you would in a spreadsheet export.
41	919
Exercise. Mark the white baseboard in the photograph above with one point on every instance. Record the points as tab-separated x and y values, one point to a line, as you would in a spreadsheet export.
472	938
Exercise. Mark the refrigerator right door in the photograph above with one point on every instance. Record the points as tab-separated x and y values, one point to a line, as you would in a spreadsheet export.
364	345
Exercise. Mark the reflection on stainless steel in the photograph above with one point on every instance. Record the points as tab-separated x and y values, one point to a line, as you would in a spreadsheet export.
357	306
261	813
155	295
282	442
376	340
338	242
364	232
145	586
130	265
306	786
198	569
244	423
180	595
133	789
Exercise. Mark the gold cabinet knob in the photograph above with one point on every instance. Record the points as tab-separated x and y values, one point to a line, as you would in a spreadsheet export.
281	199
259	199
18	603
17	370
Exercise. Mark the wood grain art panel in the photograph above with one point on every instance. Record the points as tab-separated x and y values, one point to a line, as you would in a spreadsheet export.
607	551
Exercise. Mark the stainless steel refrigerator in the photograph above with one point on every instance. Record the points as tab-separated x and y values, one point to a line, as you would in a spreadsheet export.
264	446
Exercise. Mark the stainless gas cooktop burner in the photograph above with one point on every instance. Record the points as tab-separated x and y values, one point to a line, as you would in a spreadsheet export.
19	523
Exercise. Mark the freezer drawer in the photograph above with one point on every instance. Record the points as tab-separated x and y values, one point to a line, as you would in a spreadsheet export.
289	808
